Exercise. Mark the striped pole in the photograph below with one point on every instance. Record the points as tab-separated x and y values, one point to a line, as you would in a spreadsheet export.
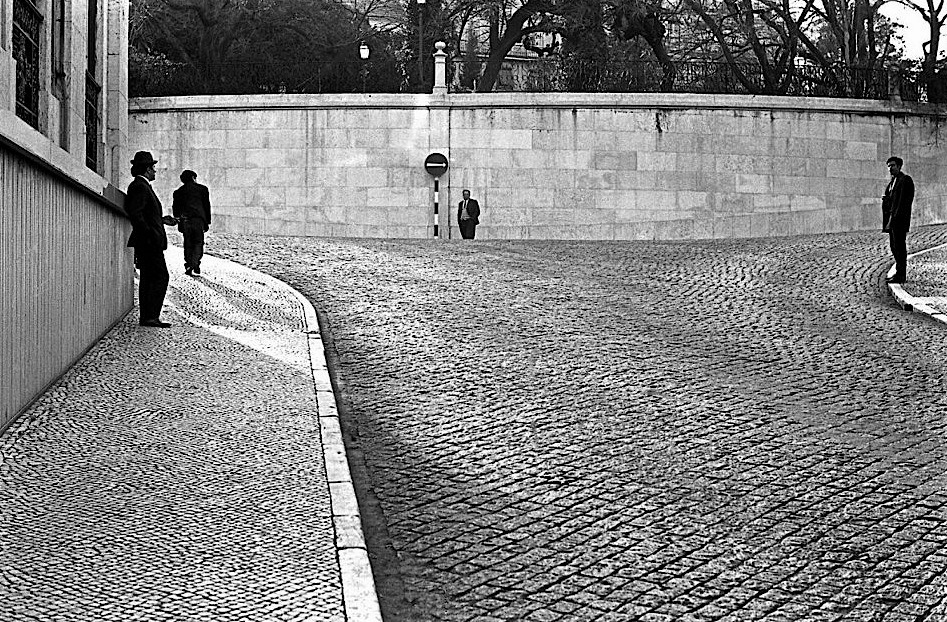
436	165
437	216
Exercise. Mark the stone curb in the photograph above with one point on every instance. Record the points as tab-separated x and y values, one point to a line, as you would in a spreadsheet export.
913	303
360	599
358	584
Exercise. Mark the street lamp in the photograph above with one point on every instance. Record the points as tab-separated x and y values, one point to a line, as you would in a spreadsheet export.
421	4
363	53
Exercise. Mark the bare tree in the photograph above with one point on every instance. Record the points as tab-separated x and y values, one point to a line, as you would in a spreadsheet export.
506	31
934	13
584	26
756	39
845	39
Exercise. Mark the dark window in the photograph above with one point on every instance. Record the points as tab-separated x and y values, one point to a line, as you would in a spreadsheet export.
93	92
27	26
57	52
93	33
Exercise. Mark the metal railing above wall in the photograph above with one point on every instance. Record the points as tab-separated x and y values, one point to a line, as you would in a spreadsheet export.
547	75
556	75
371	76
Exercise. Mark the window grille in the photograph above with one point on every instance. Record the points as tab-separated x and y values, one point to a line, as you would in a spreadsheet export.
27	29
57	52
92	96
92	57
92	90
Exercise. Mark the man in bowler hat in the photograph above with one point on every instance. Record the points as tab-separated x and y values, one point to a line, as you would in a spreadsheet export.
149	240
896	216
468	216
191	208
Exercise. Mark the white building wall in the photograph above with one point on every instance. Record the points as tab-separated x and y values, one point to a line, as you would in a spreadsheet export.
112	73
66	275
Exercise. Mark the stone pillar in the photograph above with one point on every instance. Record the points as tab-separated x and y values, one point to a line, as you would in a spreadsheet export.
894	84
115	93
440	69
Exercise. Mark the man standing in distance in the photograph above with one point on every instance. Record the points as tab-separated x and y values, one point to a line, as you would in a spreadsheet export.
468	216
896	215
191	207
149	240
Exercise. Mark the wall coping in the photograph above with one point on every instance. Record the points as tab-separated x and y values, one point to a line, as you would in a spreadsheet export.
667	101
23	139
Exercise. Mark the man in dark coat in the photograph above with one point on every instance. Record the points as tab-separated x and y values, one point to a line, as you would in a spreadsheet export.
149	240
468	216
896	216
191	208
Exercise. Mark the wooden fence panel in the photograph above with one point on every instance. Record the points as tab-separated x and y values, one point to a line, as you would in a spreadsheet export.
65	277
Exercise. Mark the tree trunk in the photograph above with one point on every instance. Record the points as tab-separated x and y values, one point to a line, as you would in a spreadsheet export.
501	46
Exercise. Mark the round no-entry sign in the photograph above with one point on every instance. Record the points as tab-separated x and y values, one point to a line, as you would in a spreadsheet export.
436	164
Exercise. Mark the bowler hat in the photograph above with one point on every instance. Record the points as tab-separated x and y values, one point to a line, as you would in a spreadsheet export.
143	158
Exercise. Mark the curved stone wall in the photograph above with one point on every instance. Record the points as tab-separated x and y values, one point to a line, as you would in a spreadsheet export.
603	166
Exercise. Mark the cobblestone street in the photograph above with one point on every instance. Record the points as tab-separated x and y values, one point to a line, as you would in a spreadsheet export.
746	430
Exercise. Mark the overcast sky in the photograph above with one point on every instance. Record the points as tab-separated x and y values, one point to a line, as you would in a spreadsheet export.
915	29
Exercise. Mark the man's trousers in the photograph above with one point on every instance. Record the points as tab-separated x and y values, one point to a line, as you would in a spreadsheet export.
193	230
152	283
468	229
899	250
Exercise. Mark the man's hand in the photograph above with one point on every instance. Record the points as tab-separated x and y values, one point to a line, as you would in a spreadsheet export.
170	221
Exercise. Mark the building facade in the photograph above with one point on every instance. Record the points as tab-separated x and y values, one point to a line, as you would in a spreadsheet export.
65	274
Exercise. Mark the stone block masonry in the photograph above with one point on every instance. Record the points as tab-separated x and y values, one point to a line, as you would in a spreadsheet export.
544	166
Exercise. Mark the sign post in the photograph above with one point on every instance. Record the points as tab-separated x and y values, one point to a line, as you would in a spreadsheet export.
436	165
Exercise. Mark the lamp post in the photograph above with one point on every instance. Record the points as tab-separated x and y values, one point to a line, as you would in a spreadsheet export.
421	4
363	53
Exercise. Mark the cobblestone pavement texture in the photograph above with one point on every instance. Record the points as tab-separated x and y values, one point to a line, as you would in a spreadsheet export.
654	431
929	278
175	474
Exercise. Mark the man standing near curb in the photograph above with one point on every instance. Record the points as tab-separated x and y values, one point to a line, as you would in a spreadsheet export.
896	216
191	207
149	240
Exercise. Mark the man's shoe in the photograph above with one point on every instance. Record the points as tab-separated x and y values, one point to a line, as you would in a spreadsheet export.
895	279
188	270
154	323
197	269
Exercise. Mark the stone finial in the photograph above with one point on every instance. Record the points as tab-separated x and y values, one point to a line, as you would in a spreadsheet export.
440	69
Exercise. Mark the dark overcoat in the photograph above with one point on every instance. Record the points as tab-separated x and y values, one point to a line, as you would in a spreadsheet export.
192	202
144	211
473	210
896	204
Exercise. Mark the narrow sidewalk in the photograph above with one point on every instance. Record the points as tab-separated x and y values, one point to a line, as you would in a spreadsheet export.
190	473
926	289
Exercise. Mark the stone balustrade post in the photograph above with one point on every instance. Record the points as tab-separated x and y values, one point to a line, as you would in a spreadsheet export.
440	69
894	84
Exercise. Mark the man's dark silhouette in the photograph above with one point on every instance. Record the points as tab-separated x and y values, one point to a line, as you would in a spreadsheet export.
192	209
149	240
896	215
